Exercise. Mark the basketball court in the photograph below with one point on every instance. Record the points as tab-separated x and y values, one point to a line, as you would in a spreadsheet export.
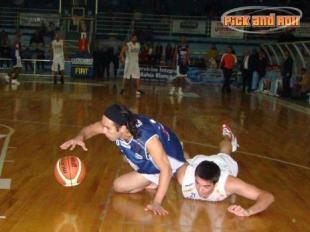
37	117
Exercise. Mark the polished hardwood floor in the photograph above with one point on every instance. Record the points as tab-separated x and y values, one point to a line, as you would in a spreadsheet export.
37	117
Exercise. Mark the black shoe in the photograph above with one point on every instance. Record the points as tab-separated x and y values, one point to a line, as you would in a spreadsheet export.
141	92
122	91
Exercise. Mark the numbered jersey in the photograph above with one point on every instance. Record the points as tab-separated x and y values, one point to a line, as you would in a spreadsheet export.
136	152
133	51
58	48
182	54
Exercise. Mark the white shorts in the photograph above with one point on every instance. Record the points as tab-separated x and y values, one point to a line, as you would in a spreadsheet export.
224	161
132	70
175	165
179	73
18	63
58	61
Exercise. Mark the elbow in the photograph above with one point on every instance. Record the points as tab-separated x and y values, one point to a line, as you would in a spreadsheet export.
271	198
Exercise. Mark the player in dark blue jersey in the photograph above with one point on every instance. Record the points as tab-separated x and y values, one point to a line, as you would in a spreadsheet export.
181	57
151	149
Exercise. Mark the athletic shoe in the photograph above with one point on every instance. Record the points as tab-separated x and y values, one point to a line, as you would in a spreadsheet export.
122	91
140	92
233	139
7	78
172	91
15	82
180	92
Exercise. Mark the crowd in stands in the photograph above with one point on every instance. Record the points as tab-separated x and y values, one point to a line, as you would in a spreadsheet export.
261	76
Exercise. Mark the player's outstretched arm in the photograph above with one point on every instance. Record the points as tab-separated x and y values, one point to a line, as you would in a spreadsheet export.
86	133
160	158
262	198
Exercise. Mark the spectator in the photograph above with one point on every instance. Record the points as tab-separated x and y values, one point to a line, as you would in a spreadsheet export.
247	68
4	48
37	45
287	70
228	61
168	54
302	88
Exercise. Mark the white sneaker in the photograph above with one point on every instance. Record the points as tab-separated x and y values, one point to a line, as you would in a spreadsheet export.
15	82
180	92
172	91
233	139
7	78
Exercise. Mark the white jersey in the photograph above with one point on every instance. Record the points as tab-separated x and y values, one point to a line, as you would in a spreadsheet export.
58	48
132	68
228	167
132	54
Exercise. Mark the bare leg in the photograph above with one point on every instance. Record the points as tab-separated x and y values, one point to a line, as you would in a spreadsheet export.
62	76
54	77
124	85
225	146
137	84
131	182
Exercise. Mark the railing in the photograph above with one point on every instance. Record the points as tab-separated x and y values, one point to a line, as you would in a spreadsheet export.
33	67
118	23
299	51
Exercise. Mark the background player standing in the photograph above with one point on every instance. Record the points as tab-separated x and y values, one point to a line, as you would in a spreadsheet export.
58	57
130	57
181	57
17	62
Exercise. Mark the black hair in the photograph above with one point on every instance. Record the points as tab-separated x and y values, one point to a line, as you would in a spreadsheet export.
121	116
208	170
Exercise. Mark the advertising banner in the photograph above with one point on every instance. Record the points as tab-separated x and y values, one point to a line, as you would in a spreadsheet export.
188	26
218	30
82	65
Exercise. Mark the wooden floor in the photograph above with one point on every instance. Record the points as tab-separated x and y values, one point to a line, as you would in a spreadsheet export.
274	154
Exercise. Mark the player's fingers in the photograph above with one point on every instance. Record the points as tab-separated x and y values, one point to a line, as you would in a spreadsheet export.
72	147
64	146
84	147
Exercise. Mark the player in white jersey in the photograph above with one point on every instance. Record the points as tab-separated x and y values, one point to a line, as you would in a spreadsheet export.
57	48
12	76
214	178
130	57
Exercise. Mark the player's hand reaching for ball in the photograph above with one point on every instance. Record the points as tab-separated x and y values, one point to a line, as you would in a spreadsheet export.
238	210
156	208
71	144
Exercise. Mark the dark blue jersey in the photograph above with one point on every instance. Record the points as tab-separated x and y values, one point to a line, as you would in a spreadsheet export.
135	150
182	54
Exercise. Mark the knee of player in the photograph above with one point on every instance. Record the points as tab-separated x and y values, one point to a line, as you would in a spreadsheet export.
118	186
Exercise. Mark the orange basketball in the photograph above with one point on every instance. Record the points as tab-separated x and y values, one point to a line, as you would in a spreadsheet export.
69	171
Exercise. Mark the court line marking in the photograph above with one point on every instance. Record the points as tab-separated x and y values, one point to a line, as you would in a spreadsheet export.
251	154
66	82
5	146
108	199
40	122
7	161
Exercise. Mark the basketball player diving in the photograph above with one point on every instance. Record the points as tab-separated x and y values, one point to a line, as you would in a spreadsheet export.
214	178
151	149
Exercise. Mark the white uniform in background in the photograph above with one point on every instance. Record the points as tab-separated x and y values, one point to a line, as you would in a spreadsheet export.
132	61
228	167
58	55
